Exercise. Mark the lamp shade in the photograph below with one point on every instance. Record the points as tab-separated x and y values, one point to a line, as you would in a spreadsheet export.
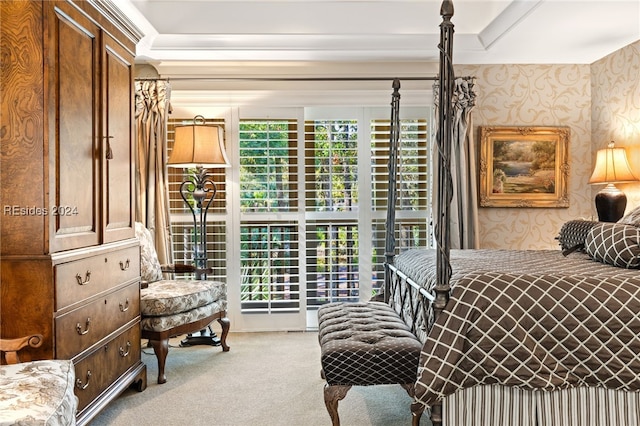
612	166
198	145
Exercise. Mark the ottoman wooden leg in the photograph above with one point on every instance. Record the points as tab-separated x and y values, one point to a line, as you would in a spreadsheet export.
333	394
416	413
416	407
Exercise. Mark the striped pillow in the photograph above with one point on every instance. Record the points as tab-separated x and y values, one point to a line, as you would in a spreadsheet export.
614	244
573	233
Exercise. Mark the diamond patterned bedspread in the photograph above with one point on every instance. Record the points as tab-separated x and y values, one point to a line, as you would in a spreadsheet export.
530	319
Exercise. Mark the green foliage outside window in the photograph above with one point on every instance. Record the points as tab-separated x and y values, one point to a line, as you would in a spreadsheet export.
335	152
265	165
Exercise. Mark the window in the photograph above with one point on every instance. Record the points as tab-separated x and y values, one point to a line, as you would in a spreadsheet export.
331	183
331	168
311	207
269	252
413	171
412	208
268	164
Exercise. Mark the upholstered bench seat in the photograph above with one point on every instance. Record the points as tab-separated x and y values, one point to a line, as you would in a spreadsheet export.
364	344
38	393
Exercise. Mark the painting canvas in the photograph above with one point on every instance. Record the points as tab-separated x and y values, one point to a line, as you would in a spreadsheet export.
524	166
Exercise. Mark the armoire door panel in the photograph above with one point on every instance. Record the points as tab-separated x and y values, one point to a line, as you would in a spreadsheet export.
118	142
74	89
22	167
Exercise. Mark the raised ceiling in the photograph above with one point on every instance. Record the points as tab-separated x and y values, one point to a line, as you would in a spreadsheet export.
486	31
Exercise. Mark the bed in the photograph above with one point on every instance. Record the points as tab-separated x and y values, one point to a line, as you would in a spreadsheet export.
525	320
516	337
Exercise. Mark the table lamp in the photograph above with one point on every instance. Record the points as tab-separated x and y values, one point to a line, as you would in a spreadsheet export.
611	167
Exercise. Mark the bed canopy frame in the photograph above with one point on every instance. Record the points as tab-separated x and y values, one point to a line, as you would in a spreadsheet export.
442	183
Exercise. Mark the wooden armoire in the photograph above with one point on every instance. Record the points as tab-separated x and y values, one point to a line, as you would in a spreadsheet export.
69	260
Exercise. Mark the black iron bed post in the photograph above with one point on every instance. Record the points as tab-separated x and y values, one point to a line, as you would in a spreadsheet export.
394	137
444	185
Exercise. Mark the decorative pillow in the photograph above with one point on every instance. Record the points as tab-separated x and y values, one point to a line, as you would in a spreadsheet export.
615	244
150	269
633	218
573	233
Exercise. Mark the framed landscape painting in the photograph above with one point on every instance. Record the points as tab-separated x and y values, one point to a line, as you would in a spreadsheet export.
524	166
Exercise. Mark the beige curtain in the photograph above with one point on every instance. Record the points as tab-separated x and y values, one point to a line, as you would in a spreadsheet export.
152	201
464	205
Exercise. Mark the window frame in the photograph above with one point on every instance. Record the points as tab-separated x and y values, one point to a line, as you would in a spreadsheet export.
233	217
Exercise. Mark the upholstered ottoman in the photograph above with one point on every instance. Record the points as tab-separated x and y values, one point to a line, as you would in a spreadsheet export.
38	393
364	344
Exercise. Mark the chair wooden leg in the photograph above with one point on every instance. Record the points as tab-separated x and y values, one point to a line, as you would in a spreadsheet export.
161	349
333	394
226	324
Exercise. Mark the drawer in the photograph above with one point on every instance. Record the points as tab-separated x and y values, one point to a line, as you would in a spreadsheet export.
79	329
105	364
83	278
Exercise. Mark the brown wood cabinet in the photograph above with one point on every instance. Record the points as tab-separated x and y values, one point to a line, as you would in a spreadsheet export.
70	262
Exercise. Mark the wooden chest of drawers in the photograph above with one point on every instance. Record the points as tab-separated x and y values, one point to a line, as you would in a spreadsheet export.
97	320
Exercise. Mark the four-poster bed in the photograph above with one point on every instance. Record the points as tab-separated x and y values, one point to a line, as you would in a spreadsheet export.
511	336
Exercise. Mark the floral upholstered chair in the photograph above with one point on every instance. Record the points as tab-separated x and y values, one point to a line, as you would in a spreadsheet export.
172	307
35	392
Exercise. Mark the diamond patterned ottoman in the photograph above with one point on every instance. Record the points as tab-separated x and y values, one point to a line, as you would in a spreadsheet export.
364	344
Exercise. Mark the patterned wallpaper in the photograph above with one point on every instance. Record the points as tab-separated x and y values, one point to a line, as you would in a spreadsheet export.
615	110
592	100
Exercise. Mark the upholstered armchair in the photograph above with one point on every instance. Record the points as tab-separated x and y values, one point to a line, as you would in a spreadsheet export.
172	307
35	392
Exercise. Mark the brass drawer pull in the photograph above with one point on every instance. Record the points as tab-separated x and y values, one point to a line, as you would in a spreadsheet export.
124	266
87	278
125	307
122	351
79	384
86	330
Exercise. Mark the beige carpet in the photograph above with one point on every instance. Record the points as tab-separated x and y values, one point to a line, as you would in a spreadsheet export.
265	379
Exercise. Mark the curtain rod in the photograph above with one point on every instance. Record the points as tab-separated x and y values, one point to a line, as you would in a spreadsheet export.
434	78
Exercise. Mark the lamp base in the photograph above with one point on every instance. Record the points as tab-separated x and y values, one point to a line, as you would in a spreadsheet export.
610	204
210	339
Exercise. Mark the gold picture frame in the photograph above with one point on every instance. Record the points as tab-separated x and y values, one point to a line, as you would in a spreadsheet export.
524	166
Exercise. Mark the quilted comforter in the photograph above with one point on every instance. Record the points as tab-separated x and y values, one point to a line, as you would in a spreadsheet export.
529	319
